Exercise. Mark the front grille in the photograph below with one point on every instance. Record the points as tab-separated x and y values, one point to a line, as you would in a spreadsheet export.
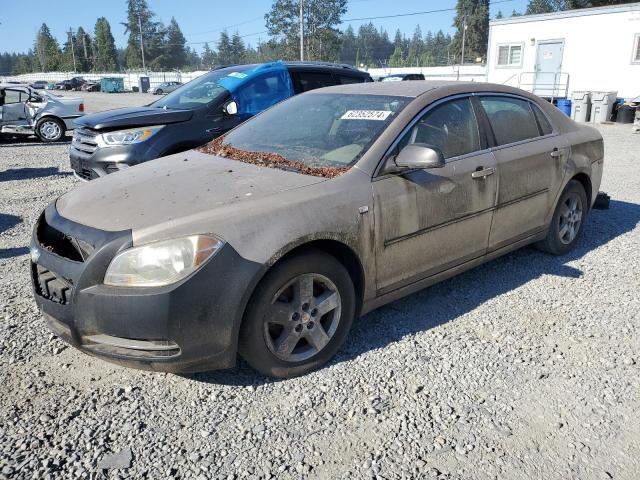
52	286
84	140
61	244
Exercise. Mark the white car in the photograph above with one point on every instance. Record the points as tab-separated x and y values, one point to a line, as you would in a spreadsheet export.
166	87
26	111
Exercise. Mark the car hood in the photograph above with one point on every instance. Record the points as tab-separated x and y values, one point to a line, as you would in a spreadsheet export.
134	117
173	189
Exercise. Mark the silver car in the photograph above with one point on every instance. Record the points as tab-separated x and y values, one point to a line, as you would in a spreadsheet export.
166	87
270	240
26	111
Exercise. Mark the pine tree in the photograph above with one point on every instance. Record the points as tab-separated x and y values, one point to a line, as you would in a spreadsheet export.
416	48
542	6
475	13
209	57
176	54
499	15
237	48
106	56
349	46
139	15
83	47
225	53
47	50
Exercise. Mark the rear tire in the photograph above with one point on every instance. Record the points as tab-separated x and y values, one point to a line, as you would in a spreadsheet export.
299	316
567	222
50	129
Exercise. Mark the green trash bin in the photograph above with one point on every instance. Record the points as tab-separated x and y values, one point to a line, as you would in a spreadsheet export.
112	84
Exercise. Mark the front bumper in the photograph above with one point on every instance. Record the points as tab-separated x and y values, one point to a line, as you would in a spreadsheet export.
189	326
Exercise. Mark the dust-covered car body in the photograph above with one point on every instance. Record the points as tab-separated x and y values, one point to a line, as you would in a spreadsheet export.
25	111
393	226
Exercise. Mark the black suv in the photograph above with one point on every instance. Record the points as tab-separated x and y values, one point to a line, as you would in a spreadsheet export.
195	113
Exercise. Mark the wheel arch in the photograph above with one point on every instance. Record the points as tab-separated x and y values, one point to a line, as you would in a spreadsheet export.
585	181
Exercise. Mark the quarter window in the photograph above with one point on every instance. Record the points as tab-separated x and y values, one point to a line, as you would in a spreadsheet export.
545	126
451	127
345	80
635	58
512	120
510	55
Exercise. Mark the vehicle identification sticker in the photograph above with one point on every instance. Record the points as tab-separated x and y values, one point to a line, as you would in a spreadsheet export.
237	75
366	115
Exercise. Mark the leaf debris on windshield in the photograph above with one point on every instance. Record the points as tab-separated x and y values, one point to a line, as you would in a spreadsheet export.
268	159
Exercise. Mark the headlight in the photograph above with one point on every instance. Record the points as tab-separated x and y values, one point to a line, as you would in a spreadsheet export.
128	137
161	263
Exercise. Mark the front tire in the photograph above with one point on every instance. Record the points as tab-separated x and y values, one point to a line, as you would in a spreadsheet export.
567	222
50	129
299	316
159	92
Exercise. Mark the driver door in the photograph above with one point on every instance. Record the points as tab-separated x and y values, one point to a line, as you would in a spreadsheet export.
428	221
13	110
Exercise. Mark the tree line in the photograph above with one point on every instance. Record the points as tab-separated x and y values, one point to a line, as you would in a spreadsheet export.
166	48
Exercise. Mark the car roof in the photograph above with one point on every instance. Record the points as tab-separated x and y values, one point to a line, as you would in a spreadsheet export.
341	68
416	88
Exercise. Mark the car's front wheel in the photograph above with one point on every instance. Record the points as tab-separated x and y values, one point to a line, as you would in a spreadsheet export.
299	316
50	129
159	91
568	220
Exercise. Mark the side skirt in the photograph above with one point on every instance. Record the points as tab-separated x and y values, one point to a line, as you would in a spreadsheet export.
439	277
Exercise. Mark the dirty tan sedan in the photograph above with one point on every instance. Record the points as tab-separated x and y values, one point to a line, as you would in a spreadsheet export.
271	240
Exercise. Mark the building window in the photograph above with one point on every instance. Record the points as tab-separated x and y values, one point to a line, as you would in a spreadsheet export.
510	55
635	57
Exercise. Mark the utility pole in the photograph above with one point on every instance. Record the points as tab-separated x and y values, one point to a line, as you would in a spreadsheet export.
141	42
84	44
302	30
73	52
464	34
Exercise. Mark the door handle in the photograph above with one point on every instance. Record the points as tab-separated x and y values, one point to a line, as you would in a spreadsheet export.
555	153
482	172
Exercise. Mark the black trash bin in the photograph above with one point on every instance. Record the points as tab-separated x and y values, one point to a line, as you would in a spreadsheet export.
626	114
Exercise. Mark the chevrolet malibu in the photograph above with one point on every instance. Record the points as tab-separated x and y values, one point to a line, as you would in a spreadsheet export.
269	241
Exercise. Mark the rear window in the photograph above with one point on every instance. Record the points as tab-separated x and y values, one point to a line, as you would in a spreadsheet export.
512	120
305	81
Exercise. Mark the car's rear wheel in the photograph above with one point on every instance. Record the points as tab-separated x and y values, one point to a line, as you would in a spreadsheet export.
299	316
50	129
568	220
159	91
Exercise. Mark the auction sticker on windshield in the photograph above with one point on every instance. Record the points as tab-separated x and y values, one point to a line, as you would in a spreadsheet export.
366	115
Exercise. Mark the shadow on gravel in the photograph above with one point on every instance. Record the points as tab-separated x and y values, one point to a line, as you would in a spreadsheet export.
459	295
7	221
30	141
13	252
26	173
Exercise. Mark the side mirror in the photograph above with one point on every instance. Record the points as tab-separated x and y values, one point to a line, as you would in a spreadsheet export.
420	156
230	108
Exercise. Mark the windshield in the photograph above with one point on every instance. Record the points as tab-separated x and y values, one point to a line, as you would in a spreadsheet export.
319	134
202	91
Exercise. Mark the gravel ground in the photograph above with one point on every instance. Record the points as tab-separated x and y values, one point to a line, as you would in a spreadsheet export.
526	367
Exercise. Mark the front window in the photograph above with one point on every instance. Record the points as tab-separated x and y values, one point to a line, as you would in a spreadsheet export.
202	91
319	134
510	55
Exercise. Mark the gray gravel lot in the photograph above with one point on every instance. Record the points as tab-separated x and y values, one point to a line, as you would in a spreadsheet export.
524	368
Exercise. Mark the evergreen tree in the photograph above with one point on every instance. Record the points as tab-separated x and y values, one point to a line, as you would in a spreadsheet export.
106	56
499	15
83	49
237	48
47	50
225	52
475	13
139	15
209	57
176	54
542	6
416	48
348	47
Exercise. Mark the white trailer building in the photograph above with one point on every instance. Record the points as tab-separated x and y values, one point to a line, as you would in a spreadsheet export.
555	54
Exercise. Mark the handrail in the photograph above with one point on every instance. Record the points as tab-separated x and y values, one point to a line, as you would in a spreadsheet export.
556	87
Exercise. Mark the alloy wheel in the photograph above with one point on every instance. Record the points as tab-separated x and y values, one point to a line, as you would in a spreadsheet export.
302	317
570	218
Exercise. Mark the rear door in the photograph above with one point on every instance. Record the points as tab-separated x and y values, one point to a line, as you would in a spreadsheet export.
531	159
428	221
305	80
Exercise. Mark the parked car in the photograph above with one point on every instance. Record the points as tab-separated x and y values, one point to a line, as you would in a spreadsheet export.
194	114
91	87
166	87
39	84
25	111
398	77
74	83
272	239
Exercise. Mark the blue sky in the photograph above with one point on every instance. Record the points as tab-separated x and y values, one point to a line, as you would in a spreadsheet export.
201	20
